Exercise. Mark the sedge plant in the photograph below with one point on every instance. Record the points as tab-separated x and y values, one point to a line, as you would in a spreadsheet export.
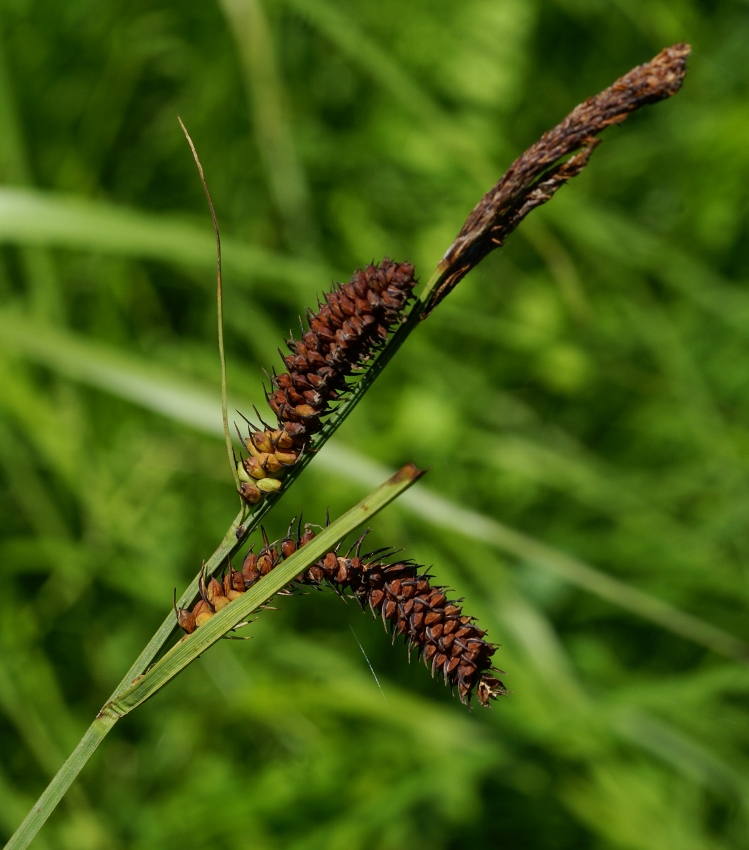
302	429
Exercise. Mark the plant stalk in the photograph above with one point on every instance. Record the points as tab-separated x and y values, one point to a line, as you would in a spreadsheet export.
531	181
135	690
63	779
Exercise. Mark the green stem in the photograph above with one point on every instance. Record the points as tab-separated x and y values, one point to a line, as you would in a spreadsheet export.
190	648
64	778
136	689
225	550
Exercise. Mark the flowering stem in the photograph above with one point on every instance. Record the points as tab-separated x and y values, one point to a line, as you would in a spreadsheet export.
531	181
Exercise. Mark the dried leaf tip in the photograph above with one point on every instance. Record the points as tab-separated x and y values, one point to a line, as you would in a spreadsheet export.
537	174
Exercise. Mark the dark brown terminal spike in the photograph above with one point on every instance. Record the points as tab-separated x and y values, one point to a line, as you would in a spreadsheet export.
541	170
352	323
400	594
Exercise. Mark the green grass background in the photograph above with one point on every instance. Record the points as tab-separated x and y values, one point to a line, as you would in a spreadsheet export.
582	400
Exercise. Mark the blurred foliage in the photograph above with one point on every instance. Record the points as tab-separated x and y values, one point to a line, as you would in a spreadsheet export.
587	387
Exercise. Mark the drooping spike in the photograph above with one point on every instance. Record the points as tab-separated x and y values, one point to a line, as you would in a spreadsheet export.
433	626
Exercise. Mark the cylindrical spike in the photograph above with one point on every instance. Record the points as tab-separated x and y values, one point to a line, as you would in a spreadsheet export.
403	597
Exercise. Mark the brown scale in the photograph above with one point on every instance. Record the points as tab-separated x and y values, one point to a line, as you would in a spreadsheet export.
349	327
448	640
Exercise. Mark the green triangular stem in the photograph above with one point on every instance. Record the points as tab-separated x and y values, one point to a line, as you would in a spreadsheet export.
134	693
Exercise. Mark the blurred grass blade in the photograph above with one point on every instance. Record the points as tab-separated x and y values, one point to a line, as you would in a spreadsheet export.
107	369
161	391
30	217
384	68
599	229
446	514
365	53
271	123
15	168
684	753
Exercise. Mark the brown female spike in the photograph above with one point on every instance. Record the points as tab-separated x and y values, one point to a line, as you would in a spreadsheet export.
352	323
408	604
